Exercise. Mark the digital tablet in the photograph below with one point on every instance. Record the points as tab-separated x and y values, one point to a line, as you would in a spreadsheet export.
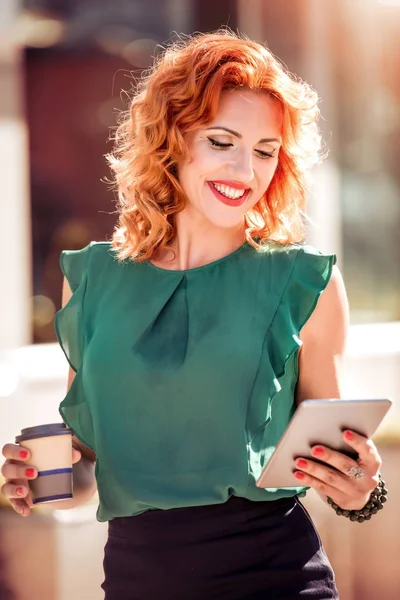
320	422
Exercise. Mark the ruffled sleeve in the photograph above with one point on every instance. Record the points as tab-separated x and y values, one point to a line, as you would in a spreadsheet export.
70	331
69	324
303	274
310	274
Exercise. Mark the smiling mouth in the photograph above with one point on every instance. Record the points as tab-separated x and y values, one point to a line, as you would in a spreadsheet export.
229	195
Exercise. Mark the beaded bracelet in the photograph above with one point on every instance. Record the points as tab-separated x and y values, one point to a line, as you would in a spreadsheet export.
375	503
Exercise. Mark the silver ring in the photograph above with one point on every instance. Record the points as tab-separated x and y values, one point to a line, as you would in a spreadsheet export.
356	473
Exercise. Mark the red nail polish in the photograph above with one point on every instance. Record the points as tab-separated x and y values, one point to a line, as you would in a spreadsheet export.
23	454
349	435
318	451
30	472
299	475
20	491
301	463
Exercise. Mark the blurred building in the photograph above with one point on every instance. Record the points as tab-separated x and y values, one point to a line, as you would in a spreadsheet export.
64	65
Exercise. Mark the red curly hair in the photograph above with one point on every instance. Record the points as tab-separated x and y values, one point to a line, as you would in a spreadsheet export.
180	93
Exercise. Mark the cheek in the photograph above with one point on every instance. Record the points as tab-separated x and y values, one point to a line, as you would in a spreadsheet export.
268	174
207	160
201	170
186	174
195	166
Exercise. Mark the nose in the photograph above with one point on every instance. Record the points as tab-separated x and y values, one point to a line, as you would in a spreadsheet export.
242	167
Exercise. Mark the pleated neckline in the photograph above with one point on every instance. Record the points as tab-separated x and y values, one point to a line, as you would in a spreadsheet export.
213	263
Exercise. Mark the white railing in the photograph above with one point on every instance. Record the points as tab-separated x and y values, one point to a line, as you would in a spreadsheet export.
33	378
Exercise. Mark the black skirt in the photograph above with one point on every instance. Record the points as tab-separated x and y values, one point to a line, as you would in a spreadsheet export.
239	550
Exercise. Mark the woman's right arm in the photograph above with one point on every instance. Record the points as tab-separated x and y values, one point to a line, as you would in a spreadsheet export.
17	471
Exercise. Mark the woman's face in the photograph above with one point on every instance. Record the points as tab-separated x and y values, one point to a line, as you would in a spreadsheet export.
232	160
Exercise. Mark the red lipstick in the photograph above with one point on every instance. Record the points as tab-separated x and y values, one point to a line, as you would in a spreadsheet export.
225	199
236	185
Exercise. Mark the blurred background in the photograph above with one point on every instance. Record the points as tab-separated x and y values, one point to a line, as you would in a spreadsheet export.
63	67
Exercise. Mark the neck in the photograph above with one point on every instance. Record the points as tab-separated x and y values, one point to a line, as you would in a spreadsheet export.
198	243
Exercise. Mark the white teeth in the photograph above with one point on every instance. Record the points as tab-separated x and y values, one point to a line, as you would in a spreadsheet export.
228	191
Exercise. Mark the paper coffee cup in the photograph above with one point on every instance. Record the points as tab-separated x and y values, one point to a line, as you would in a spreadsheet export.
51	454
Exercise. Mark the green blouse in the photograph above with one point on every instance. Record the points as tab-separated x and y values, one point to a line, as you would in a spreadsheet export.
185	380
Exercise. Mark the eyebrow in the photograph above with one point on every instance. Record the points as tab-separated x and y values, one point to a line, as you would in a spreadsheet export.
238	135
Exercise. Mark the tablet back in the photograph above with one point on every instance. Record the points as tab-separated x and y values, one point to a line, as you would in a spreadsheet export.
320	422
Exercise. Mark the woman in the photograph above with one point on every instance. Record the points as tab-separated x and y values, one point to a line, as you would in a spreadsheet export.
194	334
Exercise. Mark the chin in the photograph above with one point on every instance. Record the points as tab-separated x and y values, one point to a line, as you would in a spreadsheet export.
225	216
222	222
219	216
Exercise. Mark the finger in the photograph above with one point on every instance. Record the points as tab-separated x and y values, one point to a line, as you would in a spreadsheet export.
321	486
339	461
15	452
366	449
21	507
76	456
28	498
17	471
14	490
346	502
332	478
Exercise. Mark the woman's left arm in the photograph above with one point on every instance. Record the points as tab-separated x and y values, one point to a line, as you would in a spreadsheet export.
324	339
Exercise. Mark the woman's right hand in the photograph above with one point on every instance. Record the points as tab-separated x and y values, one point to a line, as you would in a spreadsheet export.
17	472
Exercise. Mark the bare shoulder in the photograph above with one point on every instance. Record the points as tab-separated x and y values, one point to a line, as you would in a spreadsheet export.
331	315
324	339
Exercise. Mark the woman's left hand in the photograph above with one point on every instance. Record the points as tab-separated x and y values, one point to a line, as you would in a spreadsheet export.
350	482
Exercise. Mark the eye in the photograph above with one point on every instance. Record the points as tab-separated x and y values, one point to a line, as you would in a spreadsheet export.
218	144
264	155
